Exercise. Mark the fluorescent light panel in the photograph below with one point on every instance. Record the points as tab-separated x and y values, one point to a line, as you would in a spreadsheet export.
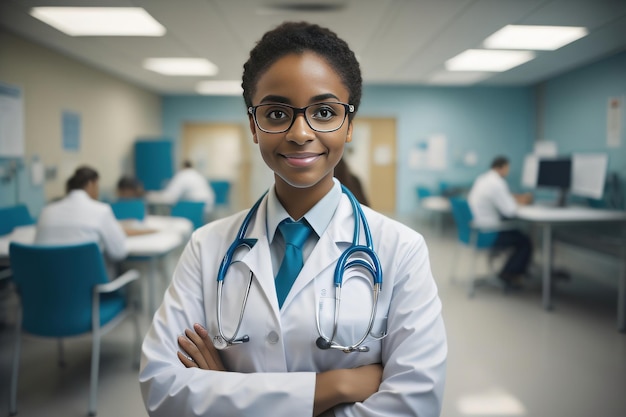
488	60
100	21
545	38
181	66
219	88
457	77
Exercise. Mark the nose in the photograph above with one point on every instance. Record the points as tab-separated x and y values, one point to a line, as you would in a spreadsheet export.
300	131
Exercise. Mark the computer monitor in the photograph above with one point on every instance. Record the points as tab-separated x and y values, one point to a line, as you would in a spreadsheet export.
555	173
589	174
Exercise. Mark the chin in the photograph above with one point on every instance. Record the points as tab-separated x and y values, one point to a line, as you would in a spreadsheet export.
302	184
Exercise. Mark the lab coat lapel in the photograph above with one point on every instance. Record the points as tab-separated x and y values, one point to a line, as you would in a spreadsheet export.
334	240
258	260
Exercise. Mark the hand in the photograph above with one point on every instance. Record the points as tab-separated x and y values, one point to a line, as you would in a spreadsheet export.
199	350
345	386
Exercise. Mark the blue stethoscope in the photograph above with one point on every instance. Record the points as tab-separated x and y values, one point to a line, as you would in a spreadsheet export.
355	256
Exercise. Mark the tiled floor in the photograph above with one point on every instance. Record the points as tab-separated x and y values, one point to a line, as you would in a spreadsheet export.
507	356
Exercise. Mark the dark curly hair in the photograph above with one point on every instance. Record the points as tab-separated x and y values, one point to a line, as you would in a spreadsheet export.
296	38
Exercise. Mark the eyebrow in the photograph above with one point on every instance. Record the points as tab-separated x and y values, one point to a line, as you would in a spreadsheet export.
285	100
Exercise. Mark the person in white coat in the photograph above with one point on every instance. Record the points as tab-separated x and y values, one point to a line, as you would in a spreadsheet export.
302	86
79	218
187	184
491	201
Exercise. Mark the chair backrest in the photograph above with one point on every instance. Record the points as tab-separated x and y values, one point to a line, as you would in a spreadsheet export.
192	210
423	192
129	209
56	284
462	214
221	189
11	217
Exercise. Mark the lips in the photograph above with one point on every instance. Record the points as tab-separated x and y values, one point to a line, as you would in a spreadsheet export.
301	159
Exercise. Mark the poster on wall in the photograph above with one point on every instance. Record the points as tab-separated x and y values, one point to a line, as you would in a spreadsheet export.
614	122
11	121
71	131
429	153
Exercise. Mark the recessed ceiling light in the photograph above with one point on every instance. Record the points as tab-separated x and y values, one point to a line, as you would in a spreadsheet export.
181	66
457	77
100	21
219	88
488	60
546	38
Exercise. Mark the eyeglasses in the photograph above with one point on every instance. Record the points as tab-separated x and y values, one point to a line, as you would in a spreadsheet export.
321	117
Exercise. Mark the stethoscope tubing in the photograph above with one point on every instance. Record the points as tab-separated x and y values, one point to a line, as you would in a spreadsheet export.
344	263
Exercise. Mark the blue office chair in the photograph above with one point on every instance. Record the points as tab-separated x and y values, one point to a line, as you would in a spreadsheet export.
221	188
192	210
129	209
472	237
14	216
65	292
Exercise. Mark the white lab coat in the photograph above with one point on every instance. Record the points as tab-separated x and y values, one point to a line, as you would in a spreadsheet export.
78	218
490	200
274	373
187	184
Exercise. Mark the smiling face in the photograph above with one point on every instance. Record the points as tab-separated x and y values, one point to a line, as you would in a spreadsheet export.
302	159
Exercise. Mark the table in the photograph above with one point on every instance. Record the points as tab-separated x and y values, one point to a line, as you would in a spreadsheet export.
547	217
438	205
171	233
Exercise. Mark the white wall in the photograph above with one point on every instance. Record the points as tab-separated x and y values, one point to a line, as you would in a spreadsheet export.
113	113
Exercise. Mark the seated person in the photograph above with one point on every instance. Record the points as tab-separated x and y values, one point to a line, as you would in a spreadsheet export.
79	217
188	184
129	188
490	200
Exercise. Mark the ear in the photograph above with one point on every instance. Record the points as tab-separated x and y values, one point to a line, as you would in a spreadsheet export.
349	133
252	128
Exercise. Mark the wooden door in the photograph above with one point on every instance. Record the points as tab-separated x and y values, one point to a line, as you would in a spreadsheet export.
372	157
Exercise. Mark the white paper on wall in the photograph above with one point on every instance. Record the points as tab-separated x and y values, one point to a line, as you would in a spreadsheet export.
11	121
614	122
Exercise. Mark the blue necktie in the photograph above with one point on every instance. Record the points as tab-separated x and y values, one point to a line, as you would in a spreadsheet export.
295	234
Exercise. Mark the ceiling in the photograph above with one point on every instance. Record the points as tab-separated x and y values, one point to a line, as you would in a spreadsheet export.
396	41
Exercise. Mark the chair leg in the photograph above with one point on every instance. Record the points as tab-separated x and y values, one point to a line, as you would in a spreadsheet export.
453	267
137	343
16	362
472	274
95	363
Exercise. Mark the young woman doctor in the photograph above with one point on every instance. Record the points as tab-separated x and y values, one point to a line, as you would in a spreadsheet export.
295	356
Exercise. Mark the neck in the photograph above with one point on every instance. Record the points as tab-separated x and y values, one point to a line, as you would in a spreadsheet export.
298	201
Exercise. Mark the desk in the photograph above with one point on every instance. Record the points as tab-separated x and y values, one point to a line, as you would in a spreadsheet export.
546	218
438	205
172	232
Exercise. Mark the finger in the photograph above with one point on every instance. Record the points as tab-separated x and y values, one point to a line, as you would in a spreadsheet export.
191	350
203	349
186	360
215	356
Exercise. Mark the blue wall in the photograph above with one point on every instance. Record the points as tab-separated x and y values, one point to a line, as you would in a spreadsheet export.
489	121
575	109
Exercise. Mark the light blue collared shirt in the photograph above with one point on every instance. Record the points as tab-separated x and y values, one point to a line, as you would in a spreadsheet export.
318	217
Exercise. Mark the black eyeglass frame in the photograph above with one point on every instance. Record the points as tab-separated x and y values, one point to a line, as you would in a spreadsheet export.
297	110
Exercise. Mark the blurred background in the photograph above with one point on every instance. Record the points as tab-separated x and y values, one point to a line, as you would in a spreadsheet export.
433	115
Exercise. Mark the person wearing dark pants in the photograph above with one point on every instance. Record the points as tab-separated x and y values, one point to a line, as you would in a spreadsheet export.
491	201
517	263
